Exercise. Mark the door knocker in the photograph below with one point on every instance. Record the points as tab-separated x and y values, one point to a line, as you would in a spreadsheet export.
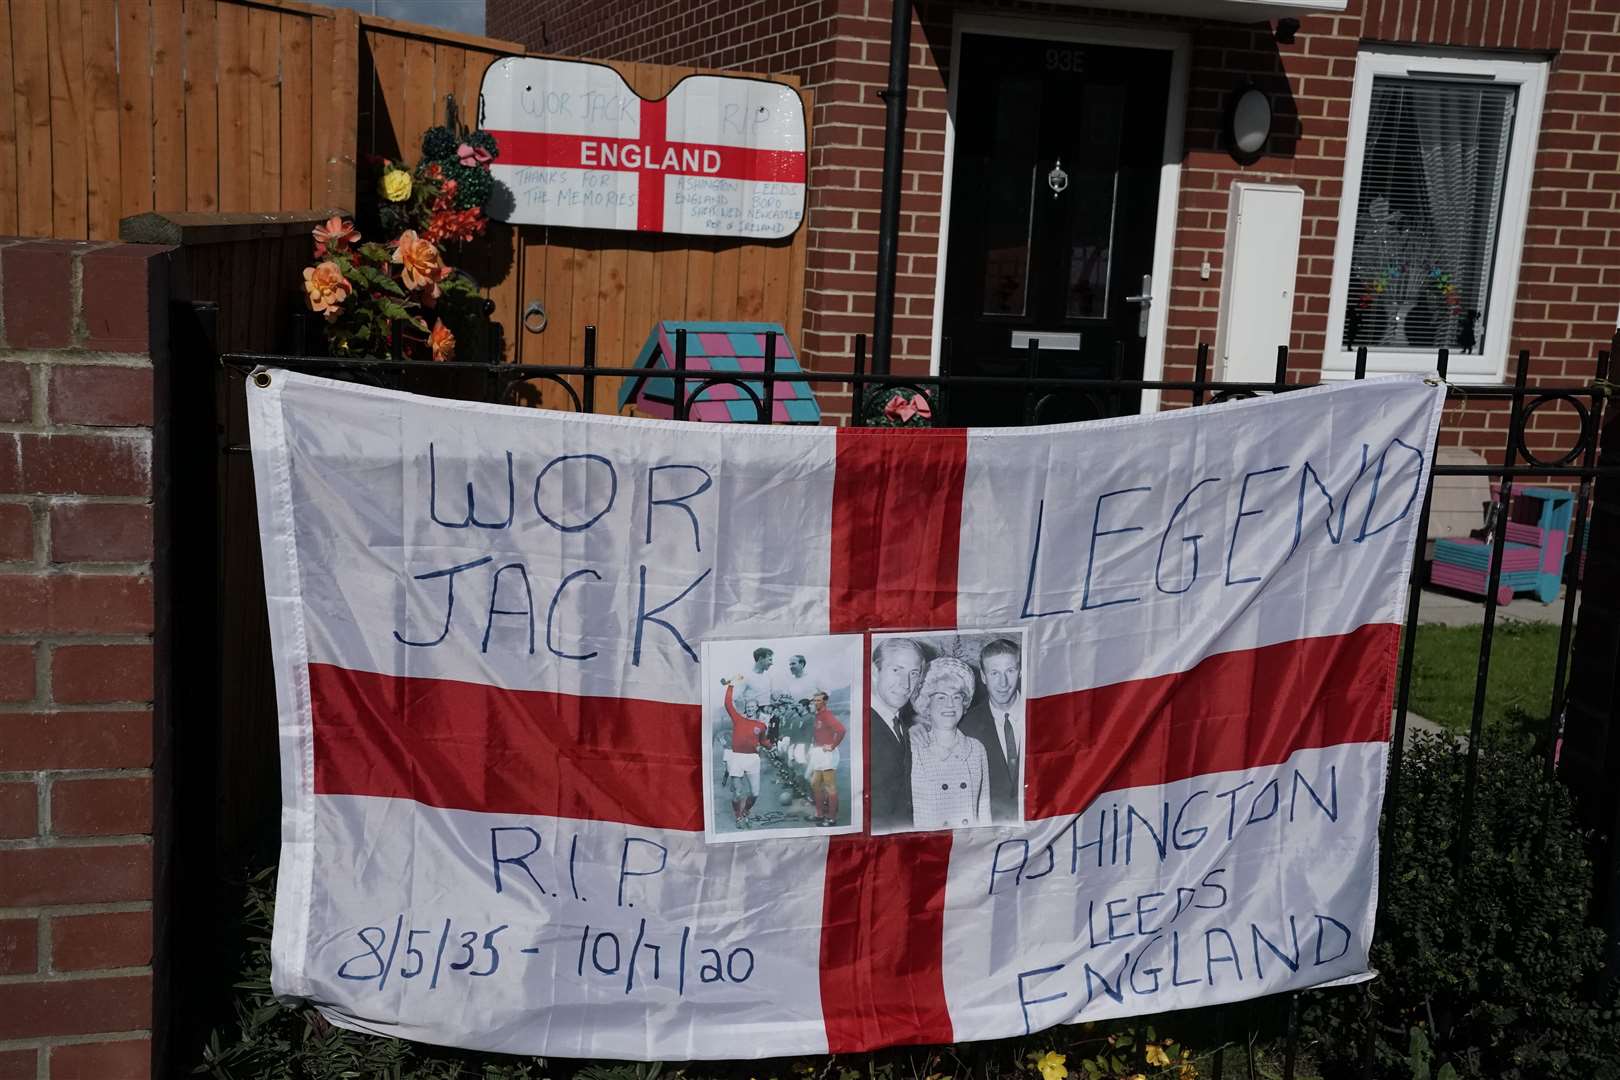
1057	179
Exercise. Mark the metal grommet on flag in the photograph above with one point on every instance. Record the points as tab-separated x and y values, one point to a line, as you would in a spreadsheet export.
261	379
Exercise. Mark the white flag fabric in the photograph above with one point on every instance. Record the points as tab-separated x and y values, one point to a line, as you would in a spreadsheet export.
487	625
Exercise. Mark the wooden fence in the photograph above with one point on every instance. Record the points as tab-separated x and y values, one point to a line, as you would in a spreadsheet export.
124	107
120	107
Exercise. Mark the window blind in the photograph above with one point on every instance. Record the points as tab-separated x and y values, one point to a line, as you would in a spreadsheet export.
1432	178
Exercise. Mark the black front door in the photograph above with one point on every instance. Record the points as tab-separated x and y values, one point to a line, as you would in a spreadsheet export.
1054	199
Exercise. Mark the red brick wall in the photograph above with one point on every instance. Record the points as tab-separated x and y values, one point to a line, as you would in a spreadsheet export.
76	623
1569	294
1569	280
1482	24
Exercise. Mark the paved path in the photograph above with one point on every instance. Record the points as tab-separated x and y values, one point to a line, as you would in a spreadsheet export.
1451	609
1416	723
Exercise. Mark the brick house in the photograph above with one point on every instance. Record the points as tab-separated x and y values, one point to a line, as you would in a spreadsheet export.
1432	173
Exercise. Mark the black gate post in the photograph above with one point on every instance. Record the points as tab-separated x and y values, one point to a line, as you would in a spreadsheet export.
186	448
1590	758
894	152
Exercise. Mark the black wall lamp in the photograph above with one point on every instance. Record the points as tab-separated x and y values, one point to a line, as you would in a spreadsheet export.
1248	123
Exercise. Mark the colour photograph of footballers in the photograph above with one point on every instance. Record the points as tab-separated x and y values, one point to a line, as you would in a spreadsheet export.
784	737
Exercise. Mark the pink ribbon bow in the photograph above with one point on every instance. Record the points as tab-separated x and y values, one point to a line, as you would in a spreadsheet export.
903	409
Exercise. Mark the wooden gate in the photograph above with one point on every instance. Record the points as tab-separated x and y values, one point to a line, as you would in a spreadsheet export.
619	282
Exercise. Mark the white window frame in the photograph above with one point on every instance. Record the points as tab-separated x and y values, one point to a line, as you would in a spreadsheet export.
1488	364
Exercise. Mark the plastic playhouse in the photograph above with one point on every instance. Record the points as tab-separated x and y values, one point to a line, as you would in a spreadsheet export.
1532	555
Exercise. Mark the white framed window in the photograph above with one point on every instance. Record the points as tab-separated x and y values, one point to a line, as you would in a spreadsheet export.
1431	223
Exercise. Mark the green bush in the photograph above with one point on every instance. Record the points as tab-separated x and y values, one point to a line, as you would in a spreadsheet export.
1488	966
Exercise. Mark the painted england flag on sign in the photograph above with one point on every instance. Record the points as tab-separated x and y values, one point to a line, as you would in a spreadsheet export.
574	709
720	155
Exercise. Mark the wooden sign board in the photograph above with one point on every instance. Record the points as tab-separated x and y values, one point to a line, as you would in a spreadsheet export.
718	156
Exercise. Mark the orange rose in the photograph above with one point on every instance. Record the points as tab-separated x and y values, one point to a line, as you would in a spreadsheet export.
326	288
442	342
335	235
421	266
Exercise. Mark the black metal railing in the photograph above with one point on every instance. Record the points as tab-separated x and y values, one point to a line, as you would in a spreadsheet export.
1577	465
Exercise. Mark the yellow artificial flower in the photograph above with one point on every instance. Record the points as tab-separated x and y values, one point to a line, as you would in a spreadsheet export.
1051	1067
1156	1055
1187	1071
395	185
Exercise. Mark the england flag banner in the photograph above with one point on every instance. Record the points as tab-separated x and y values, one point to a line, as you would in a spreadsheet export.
720	155
606	737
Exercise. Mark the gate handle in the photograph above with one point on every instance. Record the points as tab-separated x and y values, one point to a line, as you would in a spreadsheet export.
535	311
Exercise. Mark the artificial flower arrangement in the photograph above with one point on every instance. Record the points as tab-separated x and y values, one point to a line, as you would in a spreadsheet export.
401	295
896	406
1387	280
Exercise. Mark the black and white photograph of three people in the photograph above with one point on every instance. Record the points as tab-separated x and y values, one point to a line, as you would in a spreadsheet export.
795	748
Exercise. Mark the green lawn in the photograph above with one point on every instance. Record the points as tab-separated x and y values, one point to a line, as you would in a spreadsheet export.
1447	660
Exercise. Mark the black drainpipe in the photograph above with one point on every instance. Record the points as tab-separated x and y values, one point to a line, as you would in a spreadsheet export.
894	98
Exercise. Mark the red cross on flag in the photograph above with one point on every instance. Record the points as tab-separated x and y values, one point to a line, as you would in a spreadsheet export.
504	762
718	156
